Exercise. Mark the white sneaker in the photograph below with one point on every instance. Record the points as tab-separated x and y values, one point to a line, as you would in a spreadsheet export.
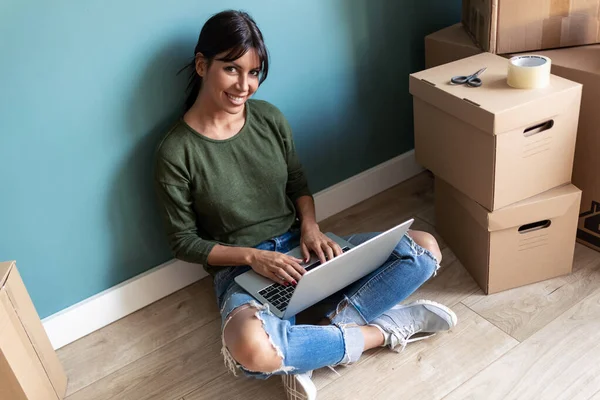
299	386
415	321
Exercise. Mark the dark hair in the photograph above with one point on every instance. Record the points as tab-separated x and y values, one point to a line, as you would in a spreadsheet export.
231	31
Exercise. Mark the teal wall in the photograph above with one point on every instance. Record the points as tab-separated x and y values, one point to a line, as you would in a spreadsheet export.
87	88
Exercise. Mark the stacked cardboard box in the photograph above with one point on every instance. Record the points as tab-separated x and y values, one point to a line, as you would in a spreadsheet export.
481	229
503	161
579	64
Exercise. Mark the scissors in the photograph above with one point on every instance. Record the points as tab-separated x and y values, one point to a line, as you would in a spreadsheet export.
471	80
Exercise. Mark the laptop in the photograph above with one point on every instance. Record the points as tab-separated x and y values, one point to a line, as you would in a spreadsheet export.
323	280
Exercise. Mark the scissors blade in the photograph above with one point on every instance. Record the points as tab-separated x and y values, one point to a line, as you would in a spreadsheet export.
476	74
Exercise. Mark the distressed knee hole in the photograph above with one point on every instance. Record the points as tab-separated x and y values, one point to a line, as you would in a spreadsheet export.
246	344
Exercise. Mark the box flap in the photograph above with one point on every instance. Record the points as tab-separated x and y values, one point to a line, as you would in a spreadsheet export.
5	268
493	107
545	206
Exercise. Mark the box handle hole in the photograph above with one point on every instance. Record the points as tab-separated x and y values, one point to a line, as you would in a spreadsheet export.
534	226
544	126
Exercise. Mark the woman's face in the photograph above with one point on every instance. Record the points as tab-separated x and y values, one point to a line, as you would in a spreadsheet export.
228	85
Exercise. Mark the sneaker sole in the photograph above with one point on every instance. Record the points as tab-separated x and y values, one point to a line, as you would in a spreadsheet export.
448	311
297	388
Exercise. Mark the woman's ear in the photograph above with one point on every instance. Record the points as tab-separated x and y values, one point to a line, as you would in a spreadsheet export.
201	64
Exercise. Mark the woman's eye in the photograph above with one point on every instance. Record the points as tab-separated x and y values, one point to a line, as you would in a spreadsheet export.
254	73
230	69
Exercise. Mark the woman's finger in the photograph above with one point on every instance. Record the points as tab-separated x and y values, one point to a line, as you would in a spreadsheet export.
294	262
293	273
305	252
319	251
277	279
286	277
328	250
336	248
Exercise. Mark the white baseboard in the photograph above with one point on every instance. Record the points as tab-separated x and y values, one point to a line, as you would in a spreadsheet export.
116	302
367	184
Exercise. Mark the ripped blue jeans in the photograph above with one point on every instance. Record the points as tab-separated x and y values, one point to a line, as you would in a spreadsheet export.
308	347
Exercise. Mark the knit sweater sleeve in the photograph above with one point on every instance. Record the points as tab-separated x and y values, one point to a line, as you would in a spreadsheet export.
176	207
297	184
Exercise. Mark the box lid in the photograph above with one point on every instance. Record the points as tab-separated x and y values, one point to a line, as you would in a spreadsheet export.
494	107
545	206
5	268
550	204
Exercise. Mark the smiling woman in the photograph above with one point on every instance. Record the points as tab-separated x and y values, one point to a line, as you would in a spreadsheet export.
234	197
231	42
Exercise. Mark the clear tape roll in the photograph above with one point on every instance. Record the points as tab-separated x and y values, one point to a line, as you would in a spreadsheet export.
529	72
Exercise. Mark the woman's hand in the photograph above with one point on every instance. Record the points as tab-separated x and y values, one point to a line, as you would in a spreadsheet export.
313	239
276	266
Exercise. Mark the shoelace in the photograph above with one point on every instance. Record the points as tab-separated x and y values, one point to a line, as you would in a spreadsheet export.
294	394
403	334
292	391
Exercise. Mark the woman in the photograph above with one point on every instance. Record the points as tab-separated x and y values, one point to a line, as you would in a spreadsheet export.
234	196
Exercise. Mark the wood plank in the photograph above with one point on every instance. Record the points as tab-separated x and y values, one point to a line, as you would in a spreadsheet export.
163	326
169	372
521	312
558	362
429	369
451	285
595	396
229	387
384	210
428	215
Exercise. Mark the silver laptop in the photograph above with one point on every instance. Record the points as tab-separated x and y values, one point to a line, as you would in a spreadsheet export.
323	280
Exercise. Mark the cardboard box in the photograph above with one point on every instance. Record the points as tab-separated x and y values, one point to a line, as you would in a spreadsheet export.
511	26
526	242
29	367
582	64
449	44
496	144
579	64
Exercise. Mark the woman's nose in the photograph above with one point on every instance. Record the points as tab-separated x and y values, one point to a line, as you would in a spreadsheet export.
243	83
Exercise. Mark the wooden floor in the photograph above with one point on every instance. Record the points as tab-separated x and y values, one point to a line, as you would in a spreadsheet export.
536	342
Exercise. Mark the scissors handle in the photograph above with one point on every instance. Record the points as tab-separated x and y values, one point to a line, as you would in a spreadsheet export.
469	80
459	80
475	82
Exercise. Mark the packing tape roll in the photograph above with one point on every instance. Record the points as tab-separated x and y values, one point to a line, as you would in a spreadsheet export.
529	72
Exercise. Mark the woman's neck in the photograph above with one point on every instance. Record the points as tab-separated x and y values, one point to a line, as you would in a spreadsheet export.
206	119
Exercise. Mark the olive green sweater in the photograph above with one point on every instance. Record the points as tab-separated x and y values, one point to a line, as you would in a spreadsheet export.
239	191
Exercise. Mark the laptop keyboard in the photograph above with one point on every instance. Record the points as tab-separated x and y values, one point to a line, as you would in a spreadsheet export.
279	295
